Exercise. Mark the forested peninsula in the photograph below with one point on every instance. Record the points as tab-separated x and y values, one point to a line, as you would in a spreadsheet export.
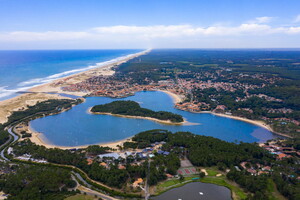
133	109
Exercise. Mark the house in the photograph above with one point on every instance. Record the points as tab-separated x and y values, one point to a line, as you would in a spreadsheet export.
262	172
109	155
103	164
237	168
121	167
160	152
266	168
89	161
282	155
151	155
252	171
243	164
220	107
137	182
169	176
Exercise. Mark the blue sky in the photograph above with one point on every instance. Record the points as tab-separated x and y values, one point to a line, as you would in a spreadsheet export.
100	24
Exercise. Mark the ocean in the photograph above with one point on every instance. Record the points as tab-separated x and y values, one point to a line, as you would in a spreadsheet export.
21	70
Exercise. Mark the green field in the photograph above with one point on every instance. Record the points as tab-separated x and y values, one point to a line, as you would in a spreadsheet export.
211	172
207	65
172	182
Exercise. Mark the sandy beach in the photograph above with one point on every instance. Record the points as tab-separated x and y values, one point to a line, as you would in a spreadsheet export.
114	145
255	122
38	139
176	98
22	102
106	70
166	122
40	93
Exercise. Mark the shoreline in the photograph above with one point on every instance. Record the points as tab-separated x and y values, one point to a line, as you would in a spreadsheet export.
38	139
166	122
250	121
41	93
176	98
105	70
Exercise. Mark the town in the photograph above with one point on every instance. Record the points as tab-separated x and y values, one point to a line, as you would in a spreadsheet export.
219	91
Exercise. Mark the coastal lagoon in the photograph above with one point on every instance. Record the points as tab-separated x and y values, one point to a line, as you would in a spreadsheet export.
195	191
77	127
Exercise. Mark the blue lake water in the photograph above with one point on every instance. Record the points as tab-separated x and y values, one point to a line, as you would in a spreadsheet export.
21	70
77	127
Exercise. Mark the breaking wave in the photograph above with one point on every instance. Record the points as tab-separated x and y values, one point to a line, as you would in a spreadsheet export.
25	85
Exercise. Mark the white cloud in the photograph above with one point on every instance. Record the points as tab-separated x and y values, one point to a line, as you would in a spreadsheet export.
297	19
261	20
148	32
44	36
161	35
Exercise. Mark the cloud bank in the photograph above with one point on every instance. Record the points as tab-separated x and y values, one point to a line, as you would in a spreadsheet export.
149	35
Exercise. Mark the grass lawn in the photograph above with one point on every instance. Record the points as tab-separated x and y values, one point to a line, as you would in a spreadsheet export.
173	182
211	172
273	193
81	197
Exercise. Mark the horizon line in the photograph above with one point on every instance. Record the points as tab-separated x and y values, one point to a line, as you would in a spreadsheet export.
165	48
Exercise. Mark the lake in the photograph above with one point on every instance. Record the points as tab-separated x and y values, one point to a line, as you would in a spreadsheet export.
77	127
196	191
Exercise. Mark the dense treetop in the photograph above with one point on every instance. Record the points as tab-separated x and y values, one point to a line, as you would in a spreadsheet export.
132	108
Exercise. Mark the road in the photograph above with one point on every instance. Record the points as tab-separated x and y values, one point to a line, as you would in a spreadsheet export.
81	179
87	188
15	138
95	193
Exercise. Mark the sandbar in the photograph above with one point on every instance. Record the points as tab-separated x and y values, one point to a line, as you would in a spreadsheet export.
167	122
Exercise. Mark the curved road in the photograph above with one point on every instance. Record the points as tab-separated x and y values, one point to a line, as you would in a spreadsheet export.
87	188
15	138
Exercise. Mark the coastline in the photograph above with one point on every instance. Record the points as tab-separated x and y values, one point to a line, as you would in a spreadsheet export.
105	70
176	98
250	121
22	102
41	93
38	139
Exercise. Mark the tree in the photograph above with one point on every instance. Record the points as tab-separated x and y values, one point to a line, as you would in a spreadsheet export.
181	178
202	174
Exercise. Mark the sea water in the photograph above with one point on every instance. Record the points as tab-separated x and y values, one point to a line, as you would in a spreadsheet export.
21	70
